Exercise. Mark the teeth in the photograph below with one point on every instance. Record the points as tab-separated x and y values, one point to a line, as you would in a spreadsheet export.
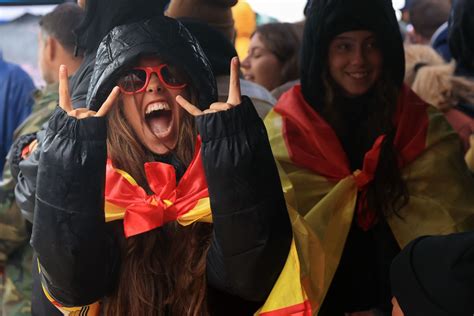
359	75
157	106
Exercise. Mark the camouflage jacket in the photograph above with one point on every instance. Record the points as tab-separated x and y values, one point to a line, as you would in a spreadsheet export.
15	251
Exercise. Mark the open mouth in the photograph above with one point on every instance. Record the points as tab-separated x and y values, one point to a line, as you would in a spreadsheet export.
158	116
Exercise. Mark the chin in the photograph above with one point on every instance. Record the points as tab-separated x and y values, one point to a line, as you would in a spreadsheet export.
354	92
161	147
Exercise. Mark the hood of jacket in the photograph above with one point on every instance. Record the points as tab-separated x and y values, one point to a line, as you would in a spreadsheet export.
329	18
218	49
461	36
162	36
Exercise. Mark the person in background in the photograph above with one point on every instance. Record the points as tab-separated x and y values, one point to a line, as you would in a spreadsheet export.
418	56
57	41
56	47
404	21
430	22
16	100
273	57
434	82
212	24
367	165
434	275
461	43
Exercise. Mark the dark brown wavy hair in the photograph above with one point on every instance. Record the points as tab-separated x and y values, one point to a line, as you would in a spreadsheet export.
163	271
388	192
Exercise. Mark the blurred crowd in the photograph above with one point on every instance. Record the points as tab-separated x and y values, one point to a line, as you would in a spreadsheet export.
369	120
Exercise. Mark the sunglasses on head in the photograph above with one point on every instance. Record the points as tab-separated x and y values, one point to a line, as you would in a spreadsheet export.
136	80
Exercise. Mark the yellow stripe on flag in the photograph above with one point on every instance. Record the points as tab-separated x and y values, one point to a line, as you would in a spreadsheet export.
113	212
201	212
287	296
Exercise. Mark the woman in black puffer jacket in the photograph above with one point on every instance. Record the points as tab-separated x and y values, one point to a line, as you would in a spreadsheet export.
153	250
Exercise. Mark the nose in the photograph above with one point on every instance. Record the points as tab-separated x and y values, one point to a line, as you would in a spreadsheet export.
245	64
154	85
359	56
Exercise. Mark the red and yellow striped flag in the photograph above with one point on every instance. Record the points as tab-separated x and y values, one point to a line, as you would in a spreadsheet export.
322	191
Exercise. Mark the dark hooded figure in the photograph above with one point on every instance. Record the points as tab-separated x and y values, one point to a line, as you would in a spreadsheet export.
360	152
149	248
461	37
461	43
434	276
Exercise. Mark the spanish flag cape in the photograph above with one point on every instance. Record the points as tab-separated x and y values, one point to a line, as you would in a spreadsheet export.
185	202
322	192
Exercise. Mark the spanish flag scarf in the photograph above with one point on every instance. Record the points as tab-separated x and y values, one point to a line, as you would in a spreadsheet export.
188	202
313	144
185	202
322	192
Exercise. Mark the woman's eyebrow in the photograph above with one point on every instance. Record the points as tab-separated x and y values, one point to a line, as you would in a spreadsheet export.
342	37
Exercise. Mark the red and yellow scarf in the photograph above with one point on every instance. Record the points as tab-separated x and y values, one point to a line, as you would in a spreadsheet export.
185	202
313	144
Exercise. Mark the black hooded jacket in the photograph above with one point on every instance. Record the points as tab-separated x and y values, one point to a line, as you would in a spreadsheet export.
461	37
328	18
79	253
461	43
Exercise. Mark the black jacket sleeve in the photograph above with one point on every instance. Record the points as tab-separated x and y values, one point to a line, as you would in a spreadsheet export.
252	230
24	171
69	234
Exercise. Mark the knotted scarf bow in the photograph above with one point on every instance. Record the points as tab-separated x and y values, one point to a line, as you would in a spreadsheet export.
312	143
169	202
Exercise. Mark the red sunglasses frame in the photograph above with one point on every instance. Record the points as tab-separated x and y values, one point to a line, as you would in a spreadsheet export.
149	71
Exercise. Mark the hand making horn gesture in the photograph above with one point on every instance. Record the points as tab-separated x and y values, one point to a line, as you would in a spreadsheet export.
233	100
81	113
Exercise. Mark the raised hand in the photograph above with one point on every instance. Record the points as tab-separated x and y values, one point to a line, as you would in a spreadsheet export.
233	100
81	113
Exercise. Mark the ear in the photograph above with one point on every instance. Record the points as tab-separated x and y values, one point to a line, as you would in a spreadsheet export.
51	48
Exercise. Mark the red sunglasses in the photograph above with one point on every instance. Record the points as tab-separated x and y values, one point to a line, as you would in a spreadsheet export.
136	80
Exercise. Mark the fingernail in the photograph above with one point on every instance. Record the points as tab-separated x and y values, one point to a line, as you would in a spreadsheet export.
62	68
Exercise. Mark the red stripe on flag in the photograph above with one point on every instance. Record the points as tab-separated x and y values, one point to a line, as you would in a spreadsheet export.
303	309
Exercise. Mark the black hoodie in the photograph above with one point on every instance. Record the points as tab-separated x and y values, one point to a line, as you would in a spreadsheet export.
328	18
461	36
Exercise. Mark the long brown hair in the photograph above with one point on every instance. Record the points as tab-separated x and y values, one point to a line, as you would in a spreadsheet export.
388	192
162	271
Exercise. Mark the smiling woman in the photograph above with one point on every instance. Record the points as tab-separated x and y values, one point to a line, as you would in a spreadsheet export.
355	61
360	152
